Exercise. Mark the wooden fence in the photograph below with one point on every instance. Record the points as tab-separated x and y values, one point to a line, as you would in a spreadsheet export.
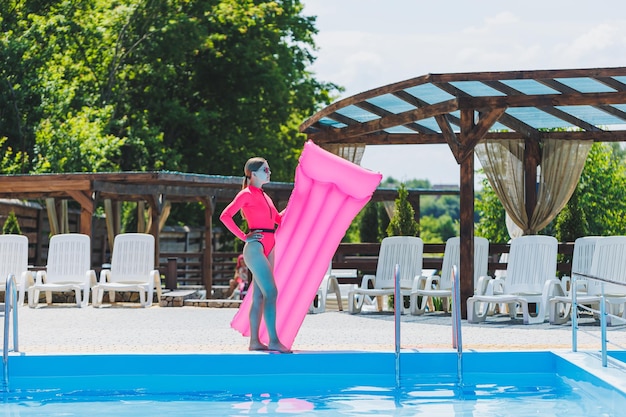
185	268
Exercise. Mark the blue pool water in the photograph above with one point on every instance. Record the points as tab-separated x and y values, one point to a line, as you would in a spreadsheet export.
308	384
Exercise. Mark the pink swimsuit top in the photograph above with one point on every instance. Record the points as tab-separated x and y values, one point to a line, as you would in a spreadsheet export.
258	209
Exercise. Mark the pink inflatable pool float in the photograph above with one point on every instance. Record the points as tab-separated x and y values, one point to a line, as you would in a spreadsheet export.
328	193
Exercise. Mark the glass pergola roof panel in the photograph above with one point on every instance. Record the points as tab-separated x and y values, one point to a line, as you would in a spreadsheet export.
429	93
620	78
530	87
326	121
357	114
622	107
430	123
498	127
391	103
476	89
591	115
399	129
586	85
536	118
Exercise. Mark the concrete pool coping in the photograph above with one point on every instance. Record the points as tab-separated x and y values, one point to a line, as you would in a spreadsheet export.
124	329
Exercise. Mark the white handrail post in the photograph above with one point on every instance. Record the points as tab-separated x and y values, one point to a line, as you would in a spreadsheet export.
603	326
574	314
10	299
457	341
398	305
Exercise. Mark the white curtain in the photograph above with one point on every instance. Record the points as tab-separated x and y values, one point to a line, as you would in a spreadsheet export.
562	162
561	165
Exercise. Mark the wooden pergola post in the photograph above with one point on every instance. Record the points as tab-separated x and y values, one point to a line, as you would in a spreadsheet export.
466	260
207	258
87	206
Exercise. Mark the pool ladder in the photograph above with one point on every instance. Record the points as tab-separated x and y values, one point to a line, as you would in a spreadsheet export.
456	322
10	302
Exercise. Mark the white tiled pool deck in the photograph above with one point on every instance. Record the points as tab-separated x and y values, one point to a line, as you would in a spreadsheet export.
66	329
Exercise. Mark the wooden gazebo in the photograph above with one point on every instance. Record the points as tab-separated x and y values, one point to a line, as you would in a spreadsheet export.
152	190
462	109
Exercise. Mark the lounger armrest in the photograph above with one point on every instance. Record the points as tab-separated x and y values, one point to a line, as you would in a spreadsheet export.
367	279
26	280
419	283
105	274
482	284
432	282
495	286
551	288
40	278
155	276
91	278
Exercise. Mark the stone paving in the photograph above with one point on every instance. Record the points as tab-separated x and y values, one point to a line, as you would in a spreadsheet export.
129	329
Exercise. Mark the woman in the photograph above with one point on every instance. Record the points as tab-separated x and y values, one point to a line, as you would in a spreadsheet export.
262	217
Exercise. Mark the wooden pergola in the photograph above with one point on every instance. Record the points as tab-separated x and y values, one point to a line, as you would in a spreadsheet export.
154	189
461	109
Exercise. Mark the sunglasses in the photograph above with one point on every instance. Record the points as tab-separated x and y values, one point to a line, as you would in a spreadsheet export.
266	170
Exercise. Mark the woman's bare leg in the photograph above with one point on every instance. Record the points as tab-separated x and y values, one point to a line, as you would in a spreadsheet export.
264	301
256	309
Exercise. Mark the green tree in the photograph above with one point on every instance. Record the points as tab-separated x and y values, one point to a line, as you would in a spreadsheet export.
177	85
492	216
77	144
94	85
403	221
589	211
438	230
391	182
383	221
571	223
368	226
437	206
11	225
11	162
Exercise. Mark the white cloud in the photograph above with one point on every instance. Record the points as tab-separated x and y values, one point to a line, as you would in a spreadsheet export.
366	44
598	39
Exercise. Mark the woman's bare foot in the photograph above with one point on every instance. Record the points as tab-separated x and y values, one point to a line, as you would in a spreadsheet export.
257	346
278	347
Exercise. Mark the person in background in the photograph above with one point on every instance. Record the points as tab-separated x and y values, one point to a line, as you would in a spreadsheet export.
258	209
239	283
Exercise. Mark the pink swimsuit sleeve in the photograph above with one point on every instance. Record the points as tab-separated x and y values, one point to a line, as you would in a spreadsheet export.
227	215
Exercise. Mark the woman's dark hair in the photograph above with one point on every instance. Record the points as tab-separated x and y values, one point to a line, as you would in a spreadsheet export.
251	166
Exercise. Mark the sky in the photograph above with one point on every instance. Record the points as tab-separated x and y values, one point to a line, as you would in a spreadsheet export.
365	44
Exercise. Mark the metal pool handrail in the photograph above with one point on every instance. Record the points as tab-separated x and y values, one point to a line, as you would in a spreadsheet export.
457	341
602	312
10	297
398	303
456	321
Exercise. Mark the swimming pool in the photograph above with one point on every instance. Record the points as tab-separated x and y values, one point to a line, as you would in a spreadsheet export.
311	383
